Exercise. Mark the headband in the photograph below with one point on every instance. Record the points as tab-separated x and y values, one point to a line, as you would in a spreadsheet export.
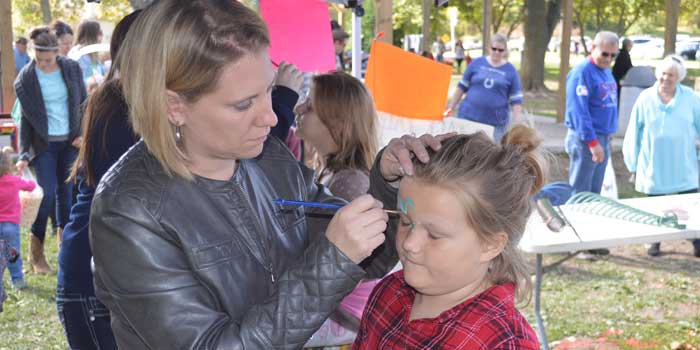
46	48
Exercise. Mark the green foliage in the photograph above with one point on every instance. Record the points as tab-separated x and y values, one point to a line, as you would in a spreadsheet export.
616	15
507	14
408	19
27	14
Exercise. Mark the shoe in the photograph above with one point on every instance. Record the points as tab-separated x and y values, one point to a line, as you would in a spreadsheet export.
601	251
696	248
36	256
20	284
654	250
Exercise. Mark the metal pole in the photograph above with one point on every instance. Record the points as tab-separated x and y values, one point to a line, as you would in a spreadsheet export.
356	45
538	288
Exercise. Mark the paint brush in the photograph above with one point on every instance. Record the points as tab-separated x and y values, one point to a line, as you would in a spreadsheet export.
289	202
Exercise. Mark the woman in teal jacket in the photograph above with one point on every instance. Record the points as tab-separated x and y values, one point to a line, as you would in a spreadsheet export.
659	146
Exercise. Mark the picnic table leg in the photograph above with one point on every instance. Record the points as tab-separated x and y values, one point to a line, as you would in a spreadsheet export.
538	287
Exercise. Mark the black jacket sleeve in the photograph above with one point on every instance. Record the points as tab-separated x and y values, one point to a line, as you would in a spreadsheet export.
283	101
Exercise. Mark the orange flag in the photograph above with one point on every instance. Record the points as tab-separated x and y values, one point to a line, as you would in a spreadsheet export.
405	84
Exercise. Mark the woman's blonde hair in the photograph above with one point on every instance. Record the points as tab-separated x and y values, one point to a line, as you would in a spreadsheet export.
345	107
182	46
5	161
495	184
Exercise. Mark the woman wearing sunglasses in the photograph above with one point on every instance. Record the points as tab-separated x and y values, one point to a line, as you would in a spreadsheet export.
492	88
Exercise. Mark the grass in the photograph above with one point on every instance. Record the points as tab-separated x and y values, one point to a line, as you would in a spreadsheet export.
30	321
647	302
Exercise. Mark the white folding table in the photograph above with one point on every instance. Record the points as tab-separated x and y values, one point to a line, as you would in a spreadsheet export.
598	231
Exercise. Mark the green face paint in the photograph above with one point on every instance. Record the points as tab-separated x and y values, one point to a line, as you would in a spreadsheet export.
404	205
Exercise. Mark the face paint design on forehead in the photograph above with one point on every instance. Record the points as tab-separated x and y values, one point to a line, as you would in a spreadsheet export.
404	206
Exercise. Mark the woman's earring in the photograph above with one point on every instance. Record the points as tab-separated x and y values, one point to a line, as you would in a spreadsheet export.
178	135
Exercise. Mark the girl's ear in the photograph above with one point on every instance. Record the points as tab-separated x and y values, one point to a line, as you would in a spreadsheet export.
494	247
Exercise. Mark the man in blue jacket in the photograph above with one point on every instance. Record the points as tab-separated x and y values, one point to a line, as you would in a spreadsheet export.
591	114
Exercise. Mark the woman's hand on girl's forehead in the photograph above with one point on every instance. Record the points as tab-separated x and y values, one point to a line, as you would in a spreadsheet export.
397	159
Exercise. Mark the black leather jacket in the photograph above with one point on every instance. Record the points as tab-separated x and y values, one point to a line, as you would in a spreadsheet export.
209	264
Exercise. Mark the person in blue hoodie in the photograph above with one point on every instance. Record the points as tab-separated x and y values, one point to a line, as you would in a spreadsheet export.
659	145
591	114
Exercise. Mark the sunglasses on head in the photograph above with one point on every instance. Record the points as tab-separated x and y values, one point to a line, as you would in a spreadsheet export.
497	49
608	54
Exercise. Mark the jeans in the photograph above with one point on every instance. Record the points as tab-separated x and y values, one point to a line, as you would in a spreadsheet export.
52	169
498	132
584	174
85	321
9	232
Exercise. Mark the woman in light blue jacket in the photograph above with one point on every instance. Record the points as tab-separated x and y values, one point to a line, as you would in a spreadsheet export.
659	147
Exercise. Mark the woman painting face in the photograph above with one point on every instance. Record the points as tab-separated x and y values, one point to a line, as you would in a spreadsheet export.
233	121
440	252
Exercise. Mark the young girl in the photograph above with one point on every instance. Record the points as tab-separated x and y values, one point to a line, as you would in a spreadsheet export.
10	210
463	215
338	120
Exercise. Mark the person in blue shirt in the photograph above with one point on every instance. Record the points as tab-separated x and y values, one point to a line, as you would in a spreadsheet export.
659	147
591	114
21	56
492	86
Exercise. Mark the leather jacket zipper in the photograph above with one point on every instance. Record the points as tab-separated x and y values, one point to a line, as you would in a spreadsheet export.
265	252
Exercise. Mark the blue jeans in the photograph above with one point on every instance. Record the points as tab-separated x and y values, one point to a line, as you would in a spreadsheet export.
9	232
52	169
85	321
584	174
498	132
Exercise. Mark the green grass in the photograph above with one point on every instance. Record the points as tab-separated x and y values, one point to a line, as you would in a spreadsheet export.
653	300
30	320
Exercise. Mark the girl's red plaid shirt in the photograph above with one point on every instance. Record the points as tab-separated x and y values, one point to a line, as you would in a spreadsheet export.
487	321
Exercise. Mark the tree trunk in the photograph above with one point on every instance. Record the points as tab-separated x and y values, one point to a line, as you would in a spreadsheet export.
140	4
672	11
564	57
46	11
537	35
7	57
427	40
384	21
486	25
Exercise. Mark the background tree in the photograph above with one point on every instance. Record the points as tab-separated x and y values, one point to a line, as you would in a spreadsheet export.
27	14
592	16
538	32
507	14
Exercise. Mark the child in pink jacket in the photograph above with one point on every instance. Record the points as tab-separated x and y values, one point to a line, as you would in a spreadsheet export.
10	210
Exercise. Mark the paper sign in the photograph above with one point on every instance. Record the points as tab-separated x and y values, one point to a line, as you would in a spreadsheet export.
300	33
405	84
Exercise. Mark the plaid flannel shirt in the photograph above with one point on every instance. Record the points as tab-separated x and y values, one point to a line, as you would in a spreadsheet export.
486	321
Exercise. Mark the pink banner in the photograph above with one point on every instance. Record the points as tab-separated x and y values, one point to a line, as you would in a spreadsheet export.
300	32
